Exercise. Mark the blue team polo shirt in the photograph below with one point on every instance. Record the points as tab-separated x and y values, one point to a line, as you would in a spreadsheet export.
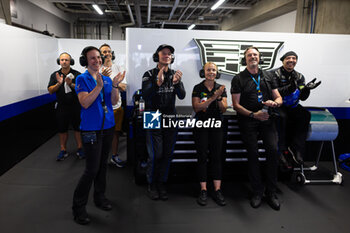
91	118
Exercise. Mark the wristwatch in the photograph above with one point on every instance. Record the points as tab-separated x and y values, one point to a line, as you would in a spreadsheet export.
251	115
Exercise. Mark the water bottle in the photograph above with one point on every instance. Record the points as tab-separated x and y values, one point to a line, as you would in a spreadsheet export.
141	105
265	109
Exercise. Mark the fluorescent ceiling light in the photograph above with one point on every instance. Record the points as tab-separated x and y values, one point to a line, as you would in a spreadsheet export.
97	9
191	27
217	4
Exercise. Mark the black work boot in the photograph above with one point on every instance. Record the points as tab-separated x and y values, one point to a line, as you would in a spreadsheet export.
255	201
272	200
152	192
203	197
103	204
219	198
81	218
163	195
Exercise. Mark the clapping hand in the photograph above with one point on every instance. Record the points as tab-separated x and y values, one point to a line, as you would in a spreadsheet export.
106	71
177	77
219	91
160	76
99	80
118	78
59	78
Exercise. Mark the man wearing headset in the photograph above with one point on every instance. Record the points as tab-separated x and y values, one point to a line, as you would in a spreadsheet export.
253	93
62	82
294	119
111	69
160	86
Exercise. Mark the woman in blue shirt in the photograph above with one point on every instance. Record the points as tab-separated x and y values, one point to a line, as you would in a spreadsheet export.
96	94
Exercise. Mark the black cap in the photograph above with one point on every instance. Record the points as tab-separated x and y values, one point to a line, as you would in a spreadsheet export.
290	53
163	46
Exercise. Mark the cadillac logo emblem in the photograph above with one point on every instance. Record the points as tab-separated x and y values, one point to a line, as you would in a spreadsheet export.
227	54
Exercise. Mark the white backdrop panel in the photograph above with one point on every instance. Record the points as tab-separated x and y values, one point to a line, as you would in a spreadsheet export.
75	46
320	55
31	58
24	68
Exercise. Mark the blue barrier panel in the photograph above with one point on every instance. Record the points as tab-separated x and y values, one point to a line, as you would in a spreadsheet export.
20	107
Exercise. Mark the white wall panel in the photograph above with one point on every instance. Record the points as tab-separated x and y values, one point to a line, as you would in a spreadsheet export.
30	58
320	55
24	64
75	46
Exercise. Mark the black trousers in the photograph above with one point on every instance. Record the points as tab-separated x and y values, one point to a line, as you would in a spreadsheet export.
209	145
293	127
250	129
160	146
96	156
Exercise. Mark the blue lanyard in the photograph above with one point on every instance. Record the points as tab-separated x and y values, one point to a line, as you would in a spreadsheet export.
256	82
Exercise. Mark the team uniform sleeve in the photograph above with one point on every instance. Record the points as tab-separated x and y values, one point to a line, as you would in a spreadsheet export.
76	74
196	92
273	81
80	85
148	86
180	90
52	80
235	85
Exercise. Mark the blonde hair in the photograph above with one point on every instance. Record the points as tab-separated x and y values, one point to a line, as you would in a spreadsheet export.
210	62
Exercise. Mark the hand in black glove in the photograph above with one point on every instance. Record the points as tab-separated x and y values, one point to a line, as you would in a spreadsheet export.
312	85
292	84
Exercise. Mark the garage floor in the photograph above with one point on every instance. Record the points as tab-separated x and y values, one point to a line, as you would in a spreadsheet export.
36	196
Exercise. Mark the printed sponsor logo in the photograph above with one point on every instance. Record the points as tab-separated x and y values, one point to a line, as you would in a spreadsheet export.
227	54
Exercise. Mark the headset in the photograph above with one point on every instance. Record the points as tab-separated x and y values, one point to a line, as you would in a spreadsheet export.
113	56
261	58
71	59
156	57
83	59
202	72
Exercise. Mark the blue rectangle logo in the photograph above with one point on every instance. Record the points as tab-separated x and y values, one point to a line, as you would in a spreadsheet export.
151	120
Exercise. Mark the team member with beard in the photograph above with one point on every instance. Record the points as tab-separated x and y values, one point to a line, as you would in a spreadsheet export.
294	119
111	69
160	86
209	100
96	94
252	92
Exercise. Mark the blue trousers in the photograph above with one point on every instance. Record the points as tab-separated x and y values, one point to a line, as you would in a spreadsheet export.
160	146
